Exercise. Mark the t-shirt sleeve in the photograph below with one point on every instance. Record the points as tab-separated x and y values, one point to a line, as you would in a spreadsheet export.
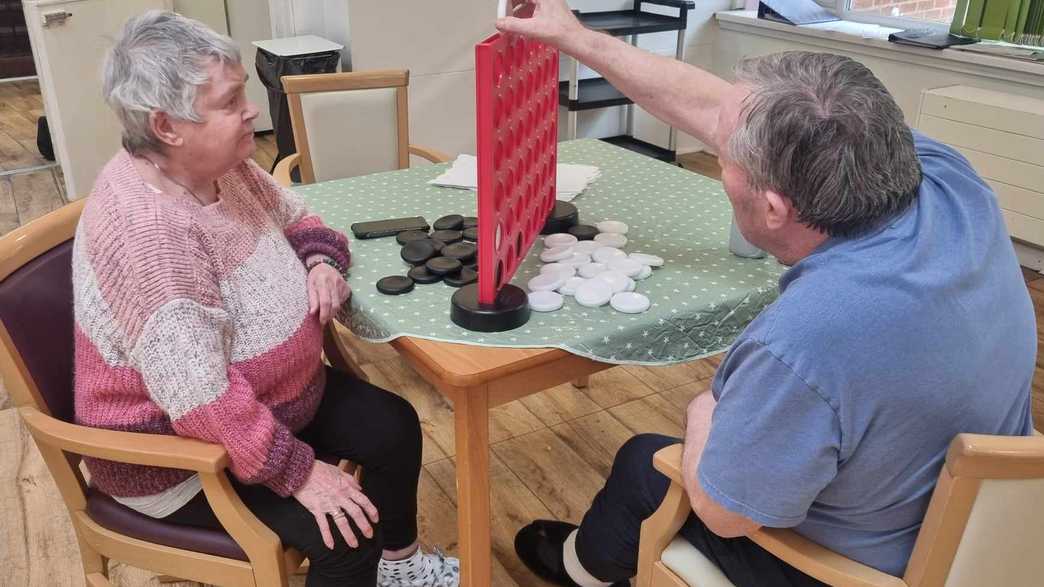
774	441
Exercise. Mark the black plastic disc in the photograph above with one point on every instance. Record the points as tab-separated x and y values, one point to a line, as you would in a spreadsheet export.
451	222
461	278
447	236
471	234
418	251
463	252
562	217
420	274
470	222
394	285
584	232
509	310
443	265
410	235
472	266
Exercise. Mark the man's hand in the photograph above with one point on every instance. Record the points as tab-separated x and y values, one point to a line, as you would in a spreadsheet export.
330	491
551	22
677	93
327	290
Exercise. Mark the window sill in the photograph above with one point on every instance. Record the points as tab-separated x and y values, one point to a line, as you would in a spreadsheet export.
872	40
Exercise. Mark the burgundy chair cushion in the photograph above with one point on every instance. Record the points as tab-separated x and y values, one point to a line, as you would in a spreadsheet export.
36	306
111	514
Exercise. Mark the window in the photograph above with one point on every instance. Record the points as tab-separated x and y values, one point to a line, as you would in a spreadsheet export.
927	11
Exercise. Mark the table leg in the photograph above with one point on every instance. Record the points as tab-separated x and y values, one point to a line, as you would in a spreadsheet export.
582	382
471	416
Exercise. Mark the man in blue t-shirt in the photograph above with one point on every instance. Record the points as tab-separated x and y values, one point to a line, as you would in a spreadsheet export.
902	321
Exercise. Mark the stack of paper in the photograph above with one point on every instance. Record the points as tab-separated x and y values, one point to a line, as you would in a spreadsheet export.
571	179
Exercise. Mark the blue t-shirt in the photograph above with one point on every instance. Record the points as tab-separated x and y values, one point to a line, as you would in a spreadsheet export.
837	404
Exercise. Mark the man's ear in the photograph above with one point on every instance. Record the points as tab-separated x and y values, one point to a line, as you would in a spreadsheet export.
162	127
778	210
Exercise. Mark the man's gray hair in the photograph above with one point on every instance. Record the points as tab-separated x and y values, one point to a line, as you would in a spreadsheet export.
157	64
821	130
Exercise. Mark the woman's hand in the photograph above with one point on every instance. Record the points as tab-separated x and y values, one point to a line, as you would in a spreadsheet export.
327	290
331	491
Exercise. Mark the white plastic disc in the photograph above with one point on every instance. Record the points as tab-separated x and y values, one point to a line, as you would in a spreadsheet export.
611	239
577	260
569	288
561	268
593	293
559	239
629	303
556	254
545	301
628	267
644	273
547	282
617	281
586	247
613	226
650	260
606	254
589	270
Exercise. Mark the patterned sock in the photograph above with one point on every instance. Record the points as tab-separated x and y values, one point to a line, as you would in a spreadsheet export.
420	570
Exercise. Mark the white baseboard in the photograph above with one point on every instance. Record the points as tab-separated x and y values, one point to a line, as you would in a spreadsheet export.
1029	256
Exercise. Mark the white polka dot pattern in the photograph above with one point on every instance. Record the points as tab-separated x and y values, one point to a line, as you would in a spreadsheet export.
702	297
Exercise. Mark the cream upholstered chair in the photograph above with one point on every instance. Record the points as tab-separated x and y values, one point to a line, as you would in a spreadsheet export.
984	527
348	124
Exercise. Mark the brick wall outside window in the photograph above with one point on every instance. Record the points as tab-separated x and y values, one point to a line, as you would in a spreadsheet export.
930	10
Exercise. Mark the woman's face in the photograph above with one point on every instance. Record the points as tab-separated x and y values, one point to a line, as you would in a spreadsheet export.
226	135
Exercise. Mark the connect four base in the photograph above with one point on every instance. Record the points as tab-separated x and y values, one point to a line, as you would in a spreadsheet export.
509	310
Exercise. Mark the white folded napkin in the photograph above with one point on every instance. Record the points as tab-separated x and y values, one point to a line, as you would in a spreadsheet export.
571	179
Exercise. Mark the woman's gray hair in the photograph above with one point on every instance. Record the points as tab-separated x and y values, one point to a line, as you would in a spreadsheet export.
821	130
157	64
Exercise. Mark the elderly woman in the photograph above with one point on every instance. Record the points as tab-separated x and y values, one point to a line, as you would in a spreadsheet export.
201	290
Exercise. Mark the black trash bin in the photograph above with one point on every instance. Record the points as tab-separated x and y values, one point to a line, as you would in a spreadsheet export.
291	56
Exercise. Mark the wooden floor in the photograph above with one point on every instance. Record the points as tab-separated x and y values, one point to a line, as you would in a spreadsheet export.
550	452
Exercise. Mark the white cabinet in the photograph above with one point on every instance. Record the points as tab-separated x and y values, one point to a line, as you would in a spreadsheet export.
69	39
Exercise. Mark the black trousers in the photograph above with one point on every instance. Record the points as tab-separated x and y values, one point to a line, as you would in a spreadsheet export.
371	427
607	543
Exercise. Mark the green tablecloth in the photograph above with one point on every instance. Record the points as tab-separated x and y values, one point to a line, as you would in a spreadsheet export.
702	298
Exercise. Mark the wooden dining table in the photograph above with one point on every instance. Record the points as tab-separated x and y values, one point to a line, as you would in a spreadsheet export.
701	299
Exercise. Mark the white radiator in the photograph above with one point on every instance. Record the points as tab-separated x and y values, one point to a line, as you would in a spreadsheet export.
1003	136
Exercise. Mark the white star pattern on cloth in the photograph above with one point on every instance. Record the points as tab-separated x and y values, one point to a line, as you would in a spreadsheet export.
678	215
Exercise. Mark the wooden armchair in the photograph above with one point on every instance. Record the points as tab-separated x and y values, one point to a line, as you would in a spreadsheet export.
36	361
984	527
348	124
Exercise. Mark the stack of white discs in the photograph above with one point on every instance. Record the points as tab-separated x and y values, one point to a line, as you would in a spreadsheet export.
595	272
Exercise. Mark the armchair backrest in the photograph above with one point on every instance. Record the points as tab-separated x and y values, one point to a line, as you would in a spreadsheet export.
36	312
985	523
349	124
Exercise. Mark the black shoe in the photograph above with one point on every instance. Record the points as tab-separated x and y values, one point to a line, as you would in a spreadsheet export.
539	546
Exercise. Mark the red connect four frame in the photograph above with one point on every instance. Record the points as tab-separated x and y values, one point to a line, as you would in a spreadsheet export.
516	83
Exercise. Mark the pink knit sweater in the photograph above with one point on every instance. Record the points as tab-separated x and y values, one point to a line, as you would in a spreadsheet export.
194	321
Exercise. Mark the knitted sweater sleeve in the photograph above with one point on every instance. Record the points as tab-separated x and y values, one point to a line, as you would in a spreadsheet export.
307	233
179	339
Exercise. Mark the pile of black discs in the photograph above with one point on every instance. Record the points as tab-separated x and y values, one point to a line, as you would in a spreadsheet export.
447	254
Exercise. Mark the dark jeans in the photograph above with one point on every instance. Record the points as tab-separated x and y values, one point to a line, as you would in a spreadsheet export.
607	543
374	428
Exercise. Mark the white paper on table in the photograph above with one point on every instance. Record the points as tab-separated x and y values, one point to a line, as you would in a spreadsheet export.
571	179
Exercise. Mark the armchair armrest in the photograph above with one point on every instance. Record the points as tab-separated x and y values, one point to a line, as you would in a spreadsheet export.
126	447
282	170
789	546
433	155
